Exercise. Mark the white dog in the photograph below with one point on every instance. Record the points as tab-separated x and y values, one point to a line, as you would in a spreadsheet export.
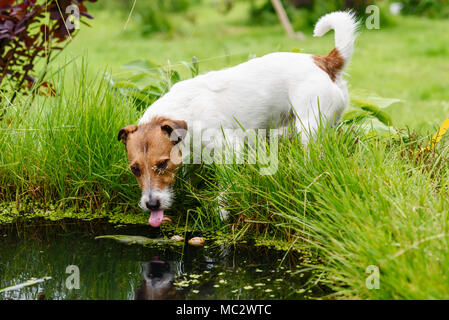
256	94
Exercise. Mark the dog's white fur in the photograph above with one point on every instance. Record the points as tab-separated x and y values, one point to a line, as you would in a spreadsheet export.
265	91
165	196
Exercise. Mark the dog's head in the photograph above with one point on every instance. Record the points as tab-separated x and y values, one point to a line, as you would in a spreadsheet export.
153	159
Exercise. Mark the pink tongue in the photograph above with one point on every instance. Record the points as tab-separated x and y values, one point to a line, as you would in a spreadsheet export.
156	217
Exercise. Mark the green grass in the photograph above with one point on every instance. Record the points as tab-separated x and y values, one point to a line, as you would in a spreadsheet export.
61	148
352	200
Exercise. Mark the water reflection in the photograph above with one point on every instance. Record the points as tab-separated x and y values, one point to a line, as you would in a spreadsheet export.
158	282
113	270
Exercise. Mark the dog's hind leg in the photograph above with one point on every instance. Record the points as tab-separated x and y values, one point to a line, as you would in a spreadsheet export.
311	112
306	123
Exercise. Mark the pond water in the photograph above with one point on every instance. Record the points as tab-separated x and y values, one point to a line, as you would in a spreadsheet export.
109	269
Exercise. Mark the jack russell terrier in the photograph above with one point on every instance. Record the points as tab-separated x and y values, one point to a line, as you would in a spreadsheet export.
253	95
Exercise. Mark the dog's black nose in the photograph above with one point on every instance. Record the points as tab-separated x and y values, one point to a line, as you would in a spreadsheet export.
153	204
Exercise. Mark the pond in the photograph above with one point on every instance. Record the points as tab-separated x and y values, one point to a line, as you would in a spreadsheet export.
67	262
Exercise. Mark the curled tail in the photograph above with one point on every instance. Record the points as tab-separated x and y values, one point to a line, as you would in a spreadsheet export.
345	27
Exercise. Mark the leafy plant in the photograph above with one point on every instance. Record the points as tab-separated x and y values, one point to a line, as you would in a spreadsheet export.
149	80
367	111
33	30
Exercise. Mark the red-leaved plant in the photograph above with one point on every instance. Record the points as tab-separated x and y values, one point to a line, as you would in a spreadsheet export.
31	30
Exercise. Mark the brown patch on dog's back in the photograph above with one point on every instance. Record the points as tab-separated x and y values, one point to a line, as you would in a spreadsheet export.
332	64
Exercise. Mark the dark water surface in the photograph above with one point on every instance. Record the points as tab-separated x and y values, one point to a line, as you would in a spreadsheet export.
112	270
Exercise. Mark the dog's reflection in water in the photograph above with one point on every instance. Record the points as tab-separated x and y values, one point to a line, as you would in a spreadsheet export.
157	283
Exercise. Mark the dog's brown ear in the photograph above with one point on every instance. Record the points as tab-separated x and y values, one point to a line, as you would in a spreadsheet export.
124	132
176	129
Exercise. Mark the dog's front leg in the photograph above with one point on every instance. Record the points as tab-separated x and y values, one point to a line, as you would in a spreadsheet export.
223	213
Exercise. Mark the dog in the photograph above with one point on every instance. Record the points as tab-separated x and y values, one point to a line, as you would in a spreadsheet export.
258	94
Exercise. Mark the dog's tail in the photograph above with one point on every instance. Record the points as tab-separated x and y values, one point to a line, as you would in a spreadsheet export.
345	27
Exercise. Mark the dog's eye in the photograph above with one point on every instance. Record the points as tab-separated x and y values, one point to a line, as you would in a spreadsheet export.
162	165
135	170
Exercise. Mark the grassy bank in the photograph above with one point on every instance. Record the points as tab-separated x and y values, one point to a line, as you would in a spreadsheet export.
356	202
351	199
